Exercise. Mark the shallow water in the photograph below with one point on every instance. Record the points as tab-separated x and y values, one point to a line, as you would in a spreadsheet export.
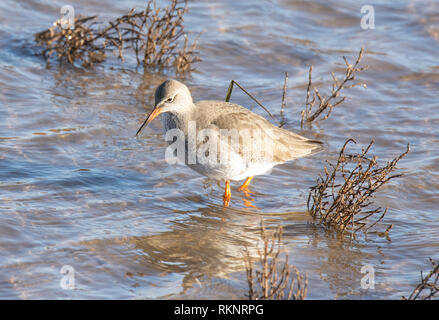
78	189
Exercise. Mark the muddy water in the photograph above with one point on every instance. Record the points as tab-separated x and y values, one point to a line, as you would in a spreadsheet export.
78	191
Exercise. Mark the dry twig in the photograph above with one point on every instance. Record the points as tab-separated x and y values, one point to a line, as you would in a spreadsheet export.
283	104
156	36
273	282
430	282
342	197
328	103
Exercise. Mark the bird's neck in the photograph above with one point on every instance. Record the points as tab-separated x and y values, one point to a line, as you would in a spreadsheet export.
180	119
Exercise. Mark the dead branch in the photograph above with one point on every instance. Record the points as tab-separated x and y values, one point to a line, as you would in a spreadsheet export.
156	36
283	104
273	282
342	195
429	283
314	108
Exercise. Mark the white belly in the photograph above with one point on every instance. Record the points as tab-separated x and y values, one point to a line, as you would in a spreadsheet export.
234	168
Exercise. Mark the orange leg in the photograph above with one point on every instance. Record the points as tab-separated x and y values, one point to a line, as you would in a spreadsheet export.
246	183
227	194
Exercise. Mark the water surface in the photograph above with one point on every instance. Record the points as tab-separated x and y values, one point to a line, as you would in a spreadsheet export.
78	189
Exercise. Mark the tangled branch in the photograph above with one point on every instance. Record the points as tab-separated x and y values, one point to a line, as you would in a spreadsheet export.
430	282
156	36
314	108
273	282
342	197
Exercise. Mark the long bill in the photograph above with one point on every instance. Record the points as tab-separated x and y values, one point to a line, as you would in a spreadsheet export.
154	113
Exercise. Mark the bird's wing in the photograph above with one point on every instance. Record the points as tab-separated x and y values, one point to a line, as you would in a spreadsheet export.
268	143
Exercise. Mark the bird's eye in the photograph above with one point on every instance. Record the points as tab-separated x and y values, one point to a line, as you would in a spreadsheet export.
169	100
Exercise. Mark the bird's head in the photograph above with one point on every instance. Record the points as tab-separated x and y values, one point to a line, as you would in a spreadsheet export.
171	96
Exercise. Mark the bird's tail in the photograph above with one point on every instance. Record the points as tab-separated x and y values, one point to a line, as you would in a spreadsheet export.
293	146
315	146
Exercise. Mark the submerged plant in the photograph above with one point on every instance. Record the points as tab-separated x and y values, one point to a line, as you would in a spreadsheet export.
155	35
342	196
315	104
274	280
314	108
429	284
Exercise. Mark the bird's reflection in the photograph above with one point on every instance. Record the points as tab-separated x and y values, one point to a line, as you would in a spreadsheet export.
248	199
209	243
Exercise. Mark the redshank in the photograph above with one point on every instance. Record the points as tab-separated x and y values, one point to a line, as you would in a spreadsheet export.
222	140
